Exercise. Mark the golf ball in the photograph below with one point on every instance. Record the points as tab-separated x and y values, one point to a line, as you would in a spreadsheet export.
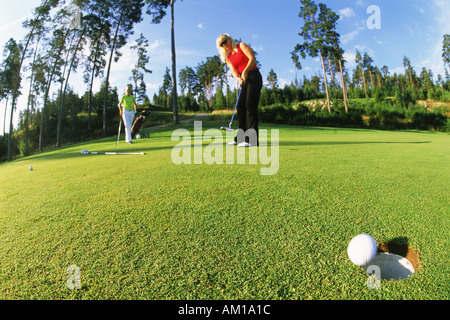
31	168
362	249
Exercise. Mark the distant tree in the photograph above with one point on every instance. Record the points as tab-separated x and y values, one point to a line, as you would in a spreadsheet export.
50	67
39	31
427	81
123	14
98	37
409	72
31	96
330	19
166	88
446	50
315	42
157	8
188	80
140	68
71	63
360	65
11	69
367	62
272	79
208	74
4	95
40	13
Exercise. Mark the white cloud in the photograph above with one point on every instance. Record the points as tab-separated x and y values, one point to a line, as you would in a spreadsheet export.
435	62
360	26
441	11
155	45
284	82
200	26
258	48
397	70
346	38
153	87
363	49
350	58
347	13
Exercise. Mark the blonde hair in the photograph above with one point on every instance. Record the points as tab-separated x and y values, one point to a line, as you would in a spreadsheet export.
129	88
223	52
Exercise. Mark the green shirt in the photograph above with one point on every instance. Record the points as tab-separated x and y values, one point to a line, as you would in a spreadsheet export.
128	102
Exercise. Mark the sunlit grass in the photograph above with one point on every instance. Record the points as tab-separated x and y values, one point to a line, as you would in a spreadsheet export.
141	227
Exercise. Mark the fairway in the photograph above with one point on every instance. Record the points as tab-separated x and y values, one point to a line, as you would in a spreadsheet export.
141	227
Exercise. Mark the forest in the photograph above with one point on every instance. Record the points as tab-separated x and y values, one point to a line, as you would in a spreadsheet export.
94	32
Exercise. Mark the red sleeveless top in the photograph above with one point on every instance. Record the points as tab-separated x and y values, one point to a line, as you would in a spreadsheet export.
239	60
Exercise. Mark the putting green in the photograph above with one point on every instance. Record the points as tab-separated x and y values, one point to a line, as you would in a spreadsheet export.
142	227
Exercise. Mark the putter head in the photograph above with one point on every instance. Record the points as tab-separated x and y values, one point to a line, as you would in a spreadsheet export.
84	152
226	129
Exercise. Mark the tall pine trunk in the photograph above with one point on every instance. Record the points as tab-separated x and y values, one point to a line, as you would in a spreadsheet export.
344	88
364	80
174	69
16	86
63	93
323	67
30	99
44	109
4	118
326	81
108	72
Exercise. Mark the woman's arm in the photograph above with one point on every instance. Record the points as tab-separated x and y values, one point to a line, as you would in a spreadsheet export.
251	60
120	107
235	73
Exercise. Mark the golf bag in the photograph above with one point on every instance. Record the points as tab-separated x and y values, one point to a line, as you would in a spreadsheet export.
138	122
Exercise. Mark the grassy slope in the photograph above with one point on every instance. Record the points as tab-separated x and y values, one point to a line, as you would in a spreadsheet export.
140	227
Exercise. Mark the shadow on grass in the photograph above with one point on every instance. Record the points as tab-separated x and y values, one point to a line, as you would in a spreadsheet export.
401	247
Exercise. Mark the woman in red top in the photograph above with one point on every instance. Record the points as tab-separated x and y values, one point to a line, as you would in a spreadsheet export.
241	60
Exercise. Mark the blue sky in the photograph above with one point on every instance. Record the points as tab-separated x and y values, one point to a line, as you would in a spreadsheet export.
409	28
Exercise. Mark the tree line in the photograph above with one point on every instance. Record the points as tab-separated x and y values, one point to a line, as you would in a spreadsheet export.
58	36
209	80
90	34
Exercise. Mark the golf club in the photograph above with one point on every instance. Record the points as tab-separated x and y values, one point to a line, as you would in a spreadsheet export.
113	153
234	112
118	135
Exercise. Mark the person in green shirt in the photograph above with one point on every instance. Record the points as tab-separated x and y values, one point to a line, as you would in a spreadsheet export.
127	110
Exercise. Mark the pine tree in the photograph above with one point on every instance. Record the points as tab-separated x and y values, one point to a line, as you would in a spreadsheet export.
140	68
272	79
315	42
123	14
446	50
330	19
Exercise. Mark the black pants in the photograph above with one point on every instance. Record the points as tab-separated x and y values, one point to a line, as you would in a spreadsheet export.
248	106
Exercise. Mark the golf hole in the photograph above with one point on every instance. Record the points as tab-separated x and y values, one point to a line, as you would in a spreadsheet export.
396	260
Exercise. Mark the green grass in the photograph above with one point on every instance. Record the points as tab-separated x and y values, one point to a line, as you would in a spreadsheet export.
140	227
